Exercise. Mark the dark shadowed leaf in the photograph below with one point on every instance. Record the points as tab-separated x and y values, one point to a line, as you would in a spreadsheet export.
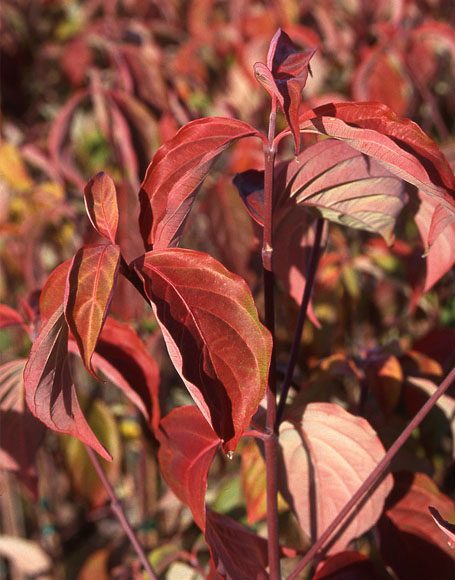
385	378
101	204
49	389
347	566
213	335
122	356
284	77
407	523
176	172
238	554
89	288
21	432
187	447
446	527
327	454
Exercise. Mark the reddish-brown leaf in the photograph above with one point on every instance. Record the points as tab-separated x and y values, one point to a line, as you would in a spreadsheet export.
398	144
49	390
347	566
236	552
284	77
53	292
122	356
88	294
441	255
381	77
187	447
407	523
327	455
213	335
346	187
176	172
101	204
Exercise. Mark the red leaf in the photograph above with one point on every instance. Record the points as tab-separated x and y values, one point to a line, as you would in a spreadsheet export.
238	554
187	447
441	255
213	335
176	172
284	77
89	287
345	187
122	356
343	450
381	77
49	389
9	317
398	144
407	523
21	433
446	527
53	292
101	203
347	566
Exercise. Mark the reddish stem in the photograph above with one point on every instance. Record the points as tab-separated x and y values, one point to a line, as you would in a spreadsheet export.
117	510
310	277
375	475
271	443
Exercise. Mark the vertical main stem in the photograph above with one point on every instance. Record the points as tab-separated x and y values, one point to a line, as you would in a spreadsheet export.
271	443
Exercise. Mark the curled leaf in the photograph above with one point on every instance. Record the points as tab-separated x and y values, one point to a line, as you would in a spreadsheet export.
284	77
176	172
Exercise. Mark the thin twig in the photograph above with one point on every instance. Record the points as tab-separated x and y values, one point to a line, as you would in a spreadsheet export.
310	277
374	476
117	510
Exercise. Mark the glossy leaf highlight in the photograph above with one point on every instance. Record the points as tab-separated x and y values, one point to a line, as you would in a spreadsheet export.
100	199
187	447
327	454
89	288
213	335
49	390
177	170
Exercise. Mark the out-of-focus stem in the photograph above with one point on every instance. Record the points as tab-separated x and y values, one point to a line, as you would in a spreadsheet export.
117	509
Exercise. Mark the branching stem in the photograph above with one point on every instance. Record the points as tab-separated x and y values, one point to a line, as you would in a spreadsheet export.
375	475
